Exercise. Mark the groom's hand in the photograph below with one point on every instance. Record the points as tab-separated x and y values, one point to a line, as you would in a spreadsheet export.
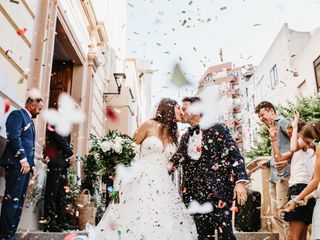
240	193
170	167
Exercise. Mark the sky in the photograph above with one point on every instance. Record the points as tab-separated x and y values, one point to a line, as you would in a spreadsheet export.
197	34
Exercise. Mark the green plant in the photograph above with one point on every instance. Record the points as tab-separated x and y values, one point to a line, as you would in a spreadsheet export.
90	169
263	147
309	109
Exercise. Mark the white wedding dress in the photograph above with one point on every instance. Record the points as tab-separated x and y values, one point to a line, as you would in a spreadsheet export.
316	217
150	207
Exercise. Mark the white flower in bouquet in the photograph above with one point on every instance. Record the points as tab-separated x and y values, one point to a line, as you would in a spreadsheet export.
119	140
117	147
106	146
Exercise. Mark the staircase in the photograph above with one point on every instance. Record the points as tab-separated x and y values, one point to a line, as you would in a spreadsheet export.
60	236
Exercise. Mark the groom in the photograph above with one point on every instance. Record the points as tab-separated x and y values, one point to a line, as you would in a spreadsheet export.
216	173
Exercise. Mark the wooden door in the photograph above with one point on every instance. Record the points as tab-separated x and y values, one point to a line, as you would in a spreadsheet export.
61	80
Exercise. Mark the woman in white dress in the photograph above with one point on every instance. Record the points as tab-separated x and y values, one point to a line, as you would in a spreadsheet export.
150	207
311	136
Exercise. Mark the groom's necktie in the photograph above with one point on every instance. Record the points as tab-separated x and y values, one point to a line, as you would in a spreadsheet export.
196	129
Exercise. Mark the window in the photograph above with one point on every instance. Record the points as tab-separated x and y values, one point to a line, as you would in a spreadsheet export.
316	65
247	92
274	76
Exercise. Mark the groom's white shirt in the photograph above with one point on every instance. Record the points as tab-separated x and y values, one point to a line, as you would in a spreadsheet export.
194	145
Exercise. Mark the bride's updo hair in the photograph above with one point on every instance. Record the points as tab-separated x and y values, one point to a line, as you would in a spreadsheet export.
166	116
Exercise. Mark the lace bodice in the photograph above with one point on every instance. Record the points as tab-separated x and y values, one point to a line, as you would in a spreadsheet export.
152	146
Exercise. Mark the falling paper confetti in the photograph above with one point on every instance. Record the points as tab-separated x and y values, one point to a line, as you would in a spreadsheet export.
70	236
34	93
205	106
195	208
127	174
21	31
178	78
221	54
223	8
6	105
68	113
111	114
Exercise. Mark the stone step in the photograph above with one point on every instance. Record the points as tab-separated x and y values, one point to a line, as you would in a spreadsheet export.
257	236
60	236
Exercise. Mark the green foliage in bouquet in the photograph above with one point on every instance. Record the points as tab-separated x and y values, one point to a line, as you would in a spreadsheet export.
112	149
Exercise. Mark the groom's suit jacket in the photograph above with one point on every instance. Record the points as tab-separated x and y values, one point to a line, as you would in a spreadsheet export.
20	139
217	170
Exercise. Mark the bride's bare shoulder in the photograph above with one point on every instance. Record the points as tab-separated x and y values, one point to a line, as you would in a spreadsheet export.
144	130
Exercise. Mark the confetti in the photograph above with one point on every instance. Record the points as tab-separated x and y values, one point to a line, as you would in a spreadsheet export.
34	93
210	113
15	1
178	78
70	236
221	54
195	208
221	204
127	174
68	113
50	128
7	52
66	189
111	114
21	31
6	105
223	8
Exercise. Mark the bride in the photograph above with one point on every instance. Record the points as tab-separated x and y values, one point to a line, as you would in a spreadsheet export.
150	207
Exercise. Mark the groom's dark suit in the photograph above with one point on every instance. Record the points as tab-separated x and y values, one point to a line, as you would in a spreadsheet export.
213	179
20	147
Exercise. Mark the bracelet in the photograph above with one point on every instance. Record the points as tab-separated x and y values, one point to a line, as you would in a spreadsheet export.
296	201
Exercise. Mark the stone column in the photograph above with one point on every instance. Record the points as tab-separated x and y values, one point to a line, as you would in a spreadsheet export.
86	100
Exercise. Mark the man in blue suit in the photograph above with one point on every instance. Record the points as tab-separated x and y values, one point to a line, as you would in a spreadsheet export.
216	173
18	161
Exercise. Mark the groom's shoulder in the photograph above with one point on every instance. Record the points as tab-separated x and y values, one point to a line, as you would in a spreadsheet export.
217	127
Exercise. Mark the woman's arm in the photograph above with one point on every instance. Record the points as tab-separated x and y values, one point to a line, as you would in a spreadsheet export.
295	143
142	132
278	155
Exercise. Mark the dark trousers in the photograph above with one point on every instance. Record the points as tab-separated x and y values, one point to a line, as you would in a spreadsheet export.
219	220
54	197
12	204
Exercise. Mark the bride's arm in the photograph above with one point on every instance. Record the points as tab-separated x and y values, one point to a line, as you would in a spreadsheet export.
142	132
181	152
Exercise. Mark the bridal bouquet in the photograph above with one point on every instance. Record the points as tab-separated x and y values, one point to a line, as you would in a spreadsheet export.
112	149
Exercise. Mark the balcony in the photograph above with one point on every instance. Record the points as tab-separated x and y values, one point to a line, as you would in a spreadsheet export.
231	93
